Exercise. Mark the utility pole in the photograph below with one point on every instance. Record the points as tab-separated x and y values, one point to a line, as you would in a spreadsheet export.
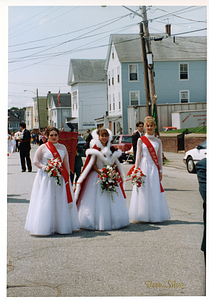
149	51
146	79
150	61
38	109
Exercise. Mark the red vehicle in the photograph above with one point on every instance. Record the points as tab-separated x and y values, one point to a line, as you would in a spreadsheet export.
122	142
167	128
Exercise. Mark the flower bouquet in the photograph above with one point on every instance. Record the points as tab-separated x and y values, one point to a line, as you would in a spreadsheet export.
53	168
137	178
110	179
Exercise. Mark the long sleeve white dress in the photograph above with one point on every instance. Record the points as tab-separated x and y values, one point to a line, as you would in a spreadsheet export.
49	211
149	203
97	211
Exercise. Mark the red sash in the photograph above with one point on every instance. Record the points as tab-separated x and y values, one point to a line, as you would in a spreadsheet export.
153	154
64	171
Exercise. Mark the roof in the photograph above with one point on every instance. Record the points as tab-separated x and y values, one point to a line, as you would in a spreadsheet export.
86	70
128	48
65	99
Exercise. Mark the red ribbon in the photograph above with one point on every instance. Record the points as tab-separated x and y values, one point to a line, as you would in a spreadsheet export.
153	154
63	170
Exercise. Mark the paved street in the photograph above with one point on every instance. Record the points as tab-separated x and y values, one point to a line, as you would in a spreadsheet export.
139	260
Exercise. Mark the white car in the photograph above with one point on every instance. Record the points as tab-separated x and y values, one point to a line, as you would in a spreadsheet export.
194	155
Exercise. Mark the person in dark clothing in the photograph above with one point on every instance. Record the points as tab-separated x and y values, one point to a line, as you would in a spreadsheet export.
136	135
201	169
25	148
88	139
78	163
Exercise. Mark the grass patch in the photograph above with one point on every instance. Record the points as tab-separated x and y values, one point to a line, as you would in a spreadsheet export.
188	130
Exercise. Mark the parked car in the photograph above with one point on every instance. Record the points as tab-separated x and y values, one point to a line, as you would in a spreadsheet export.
122	142
81	142
194	155
167	128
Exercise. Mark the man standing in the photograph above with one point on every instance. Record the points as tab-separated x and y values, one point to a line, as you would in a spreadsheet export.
78	163
25	148
88	139
136	135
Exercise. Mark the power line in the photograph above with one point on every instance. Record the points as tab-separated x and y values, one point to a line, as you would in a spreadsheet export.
83	36
163	16
46	21
30	18
20	33
52	37
90	48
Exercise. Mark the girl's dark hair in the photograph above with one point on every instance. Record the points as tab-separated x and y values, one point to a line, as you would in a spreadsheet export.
102	131
51	128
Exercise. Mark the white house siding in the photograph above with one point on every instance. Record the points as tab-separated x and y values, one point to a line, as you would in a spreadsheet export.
92	104
35	114
128	86
29	117
114	90
74	90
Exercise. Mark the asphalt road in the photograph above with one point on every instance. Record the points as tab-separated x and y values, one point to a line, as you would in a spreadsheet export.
142	259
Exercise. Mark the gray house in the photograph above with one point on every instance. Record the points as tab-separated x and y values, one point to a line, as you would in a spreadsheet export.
87	78
59	115
180	66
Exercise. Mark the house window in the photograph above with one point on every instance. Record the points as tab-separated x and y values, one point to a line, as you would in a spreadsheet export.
184	71
109	102
75	102
134	98
108	78
118	74
112	77
184	96
119	102
113	102
133	73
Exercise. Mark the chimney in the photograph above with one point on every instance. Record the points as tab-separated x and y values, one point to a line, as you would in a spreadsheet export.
168	29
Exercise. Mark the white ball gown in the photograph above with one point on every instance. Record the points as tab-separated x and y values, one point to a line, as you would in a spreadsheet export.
97	211
149	203
49	211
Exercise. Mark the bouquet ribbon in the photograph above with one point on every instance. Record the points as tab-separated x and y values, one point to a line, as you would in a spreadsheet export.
63	170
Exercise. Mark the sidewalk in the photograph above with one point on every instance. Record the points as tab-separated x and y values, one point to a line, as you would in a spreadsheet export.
142	259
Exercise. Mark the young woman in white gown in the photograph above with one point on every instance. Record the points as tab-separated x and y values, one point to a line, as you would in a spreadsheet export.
149	204
96	210
52	207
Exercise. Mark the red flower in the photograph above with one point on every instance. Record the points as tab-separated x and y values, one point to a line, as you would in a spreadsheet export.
98	175
108	185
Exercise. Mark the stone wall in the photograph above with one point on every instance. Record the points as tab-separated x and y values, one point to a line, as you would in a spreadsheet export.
192	140
171	142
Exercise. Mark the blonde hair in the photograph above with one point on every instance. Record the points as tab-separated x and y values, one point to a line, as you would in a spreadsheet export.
149	119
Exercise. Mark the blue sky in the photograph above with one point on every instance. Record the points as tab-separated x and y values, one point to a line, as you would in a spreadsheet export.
43	39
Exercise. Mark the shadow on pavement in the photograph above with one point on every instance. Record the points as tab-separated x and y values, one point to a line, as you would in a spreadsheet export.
14	199
82	233
176	190
178	222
